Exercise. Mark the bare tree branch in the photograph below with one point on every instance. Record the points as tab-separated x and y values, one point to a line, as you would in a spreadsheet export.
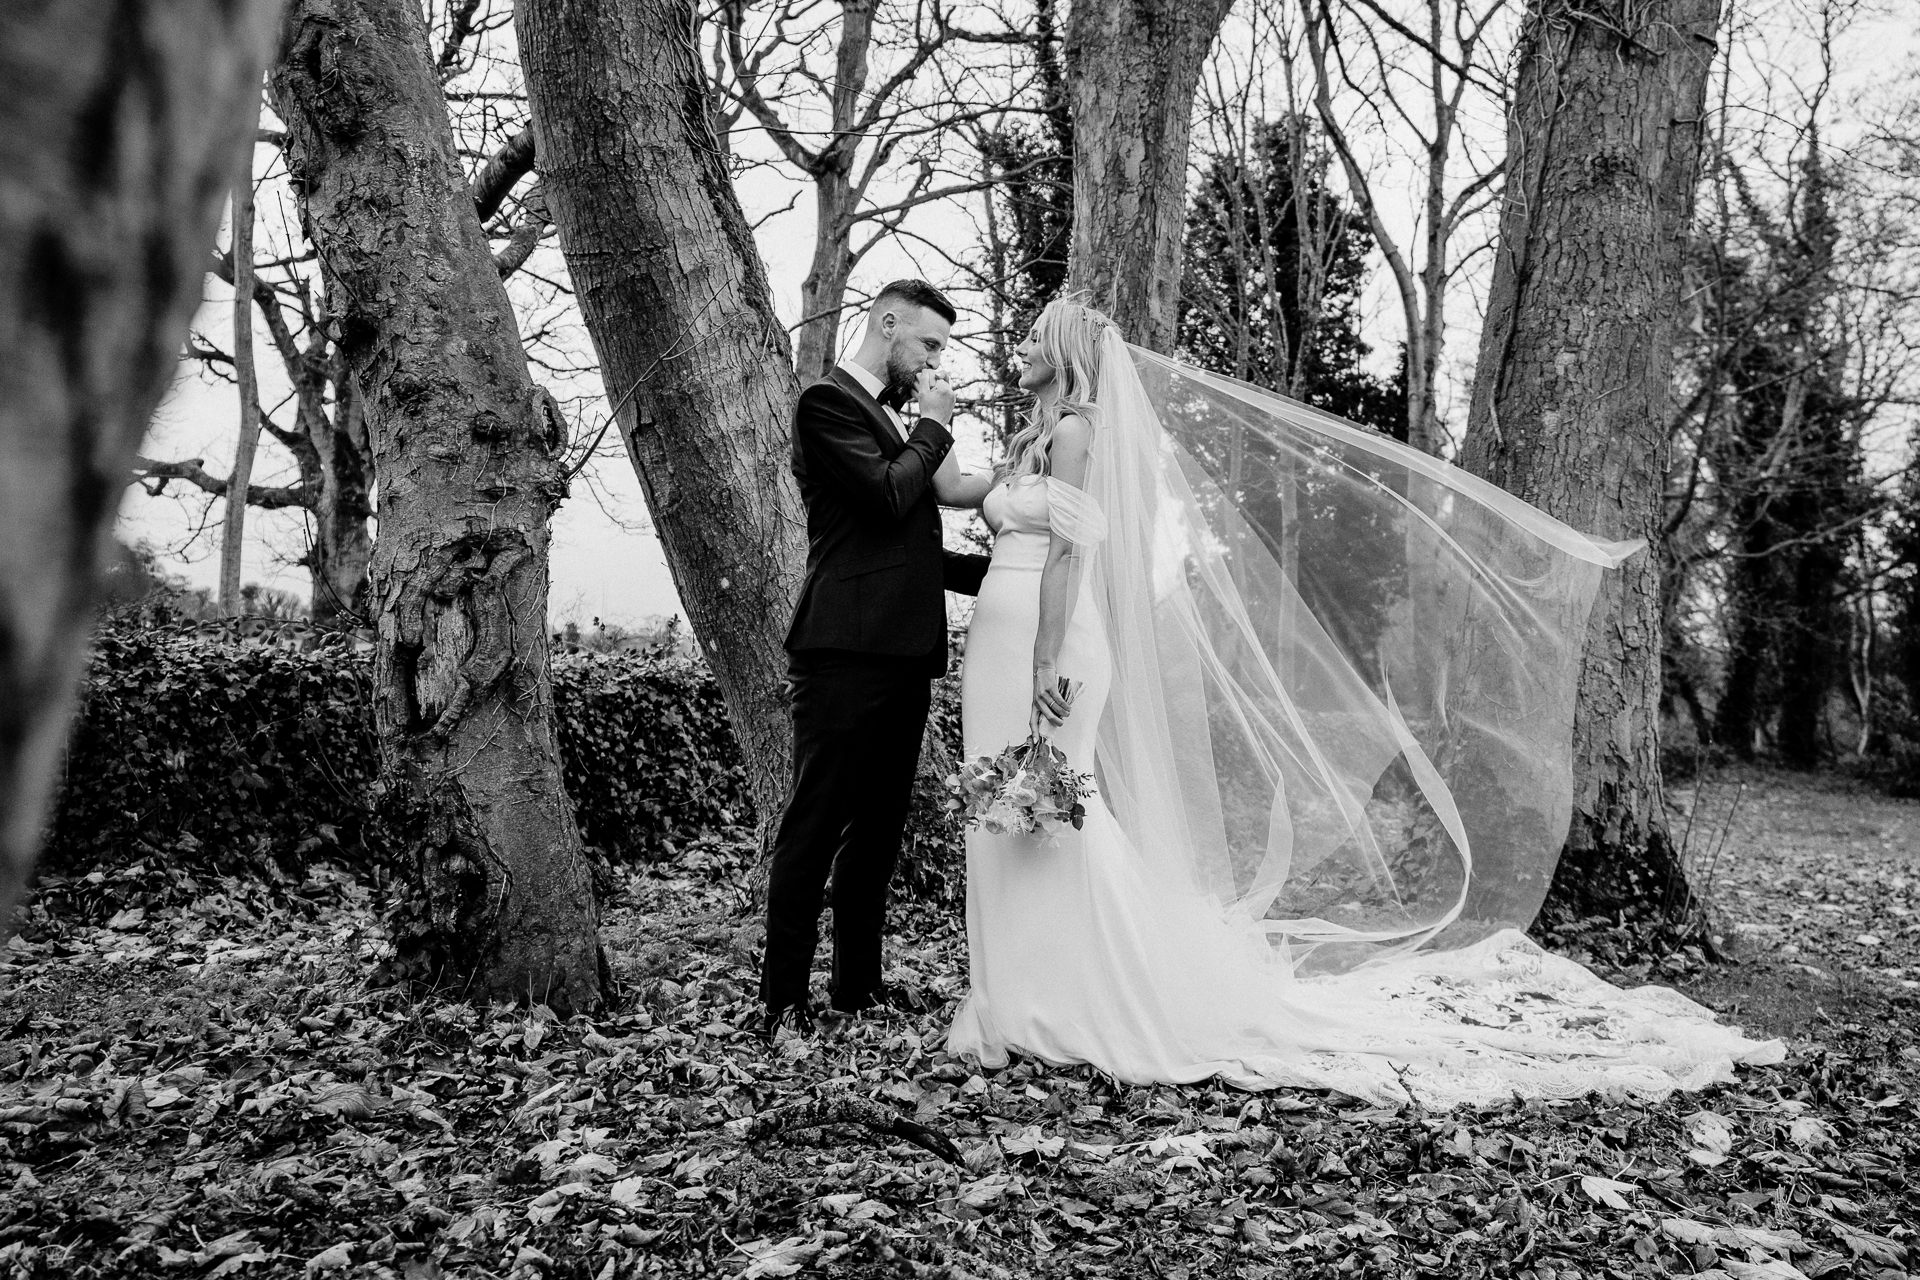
459	28
533	223
497	177
746	71
156	474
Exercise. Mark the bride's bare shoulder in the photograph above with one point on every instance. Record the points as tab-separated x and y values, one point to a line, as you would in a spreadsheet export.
1073	431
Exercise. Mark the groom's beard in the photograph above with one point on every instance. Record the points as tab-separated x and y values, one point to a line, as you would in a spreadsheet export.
901	384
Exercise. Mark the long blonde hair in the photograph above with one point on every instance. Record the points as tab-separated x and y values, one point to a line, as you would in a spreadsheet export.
1068	335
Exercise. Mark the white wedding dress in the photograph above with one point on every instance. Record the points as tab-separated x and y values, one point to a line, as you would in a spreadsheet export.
1085	948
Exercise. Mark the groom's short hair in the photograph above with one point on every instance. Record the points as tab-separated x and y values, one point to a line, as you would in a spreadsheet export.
916	293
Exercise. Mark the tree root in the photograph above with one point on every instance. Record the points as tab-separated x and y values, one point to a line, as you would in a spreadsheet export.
815	1113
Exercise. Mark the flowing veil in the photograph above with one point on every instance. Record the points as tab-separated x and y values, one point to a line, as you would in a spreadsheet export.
1343	670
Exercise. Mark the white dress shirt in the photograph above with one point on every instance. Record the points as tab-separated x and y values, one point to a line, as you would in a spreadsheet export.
873	386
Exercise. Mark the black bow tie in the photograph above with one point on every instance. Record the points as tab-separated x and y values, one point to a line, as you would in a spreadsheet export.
895	399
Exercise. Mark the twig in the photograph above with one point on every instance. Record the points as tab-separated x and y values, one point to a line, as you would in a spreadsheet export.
1419	1110
843	1109
1693	810
612	416
1725	827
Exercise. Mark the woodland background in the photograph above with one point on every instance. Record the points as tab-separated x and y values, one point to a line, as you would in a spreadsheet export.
1338	229
370	895
1787	533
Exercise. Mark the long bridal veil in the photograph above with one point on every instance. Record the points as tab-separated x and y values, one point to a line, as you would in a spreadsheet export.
1335	755
1343	670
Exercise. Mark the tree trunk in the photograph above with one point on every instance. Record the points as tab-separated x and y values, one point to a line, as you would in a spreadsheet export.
677	302
342	552
824	292
1132	68
1751	687
234	522
1815	650
121	125
1570	404
467	453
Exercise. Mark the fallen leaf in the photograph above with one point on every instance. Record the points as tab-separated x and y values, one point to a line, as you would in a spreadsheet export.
784	1258
1783	1243
1761	1270
1195	1145
591	1165
1033	1140
985	1192
227	1246
1607	1191
345	1102
332	1258
1711	1135
1686	1230
1865	1244
1810	1134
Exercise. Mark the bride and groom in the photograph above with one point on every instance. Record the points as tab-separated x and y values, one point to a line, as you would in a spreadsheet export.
1324	685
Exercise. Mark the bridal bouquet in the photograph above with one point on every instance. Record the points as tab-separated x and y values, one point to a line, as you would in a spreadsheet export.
1027	789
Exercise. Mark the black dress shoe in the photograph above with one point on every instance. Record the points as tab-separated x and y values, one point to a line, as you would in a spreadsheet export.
796	1017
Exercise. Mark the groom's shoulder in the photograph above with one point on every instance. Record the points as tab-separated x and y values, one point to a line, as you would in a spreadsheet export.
826	384
825	391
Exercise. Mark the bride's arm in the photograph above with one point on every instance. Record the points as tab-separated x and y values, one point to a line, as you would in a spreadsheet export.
1060	578
953	487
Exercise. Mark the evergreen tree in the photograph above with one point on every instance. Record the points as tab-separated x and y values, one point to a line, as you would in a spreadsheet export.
1903	547
1259	304
1270	292
1791	484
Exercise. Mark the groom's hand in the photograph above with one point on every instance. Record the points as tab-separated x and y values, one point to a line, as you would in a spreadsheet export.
935	396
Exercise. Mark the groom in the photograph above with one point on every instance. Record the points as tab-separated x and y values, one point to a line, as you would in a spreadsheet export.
868	636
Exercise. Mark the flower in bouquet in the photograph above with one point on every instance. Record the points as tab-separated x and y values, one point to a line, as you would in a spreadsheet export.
1022	790
980	776
1002	819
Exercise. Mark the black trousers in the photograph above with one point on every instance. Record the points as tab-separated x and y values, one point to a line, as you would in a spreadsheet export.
857	723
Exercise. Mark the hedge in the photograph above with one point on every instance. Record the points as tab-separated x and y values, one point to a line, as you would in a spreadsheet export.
204	748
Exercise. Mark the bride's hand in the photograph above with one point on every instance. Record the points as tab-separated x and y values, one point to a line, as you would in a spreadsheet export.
1049	703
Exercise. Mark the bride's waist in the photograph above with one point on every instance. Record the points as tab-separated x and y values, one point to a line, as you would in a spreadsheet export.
1018	550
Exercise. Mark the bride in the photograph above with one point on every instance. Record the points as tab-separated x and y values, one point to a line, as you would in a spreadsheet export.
1324	686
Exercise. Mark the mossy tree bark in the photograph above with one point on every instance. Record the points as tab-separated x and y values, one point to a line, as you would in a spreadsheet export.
1132	69
676	298
121	126
467	456
1571	398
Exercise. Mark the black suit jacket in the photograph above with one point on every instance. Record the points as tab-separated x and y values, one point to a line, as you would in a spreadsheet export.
876	568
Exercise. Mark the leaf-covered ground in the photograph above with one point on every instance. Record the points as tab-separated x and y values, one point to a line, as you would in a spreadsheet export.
212	1089
1812	870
